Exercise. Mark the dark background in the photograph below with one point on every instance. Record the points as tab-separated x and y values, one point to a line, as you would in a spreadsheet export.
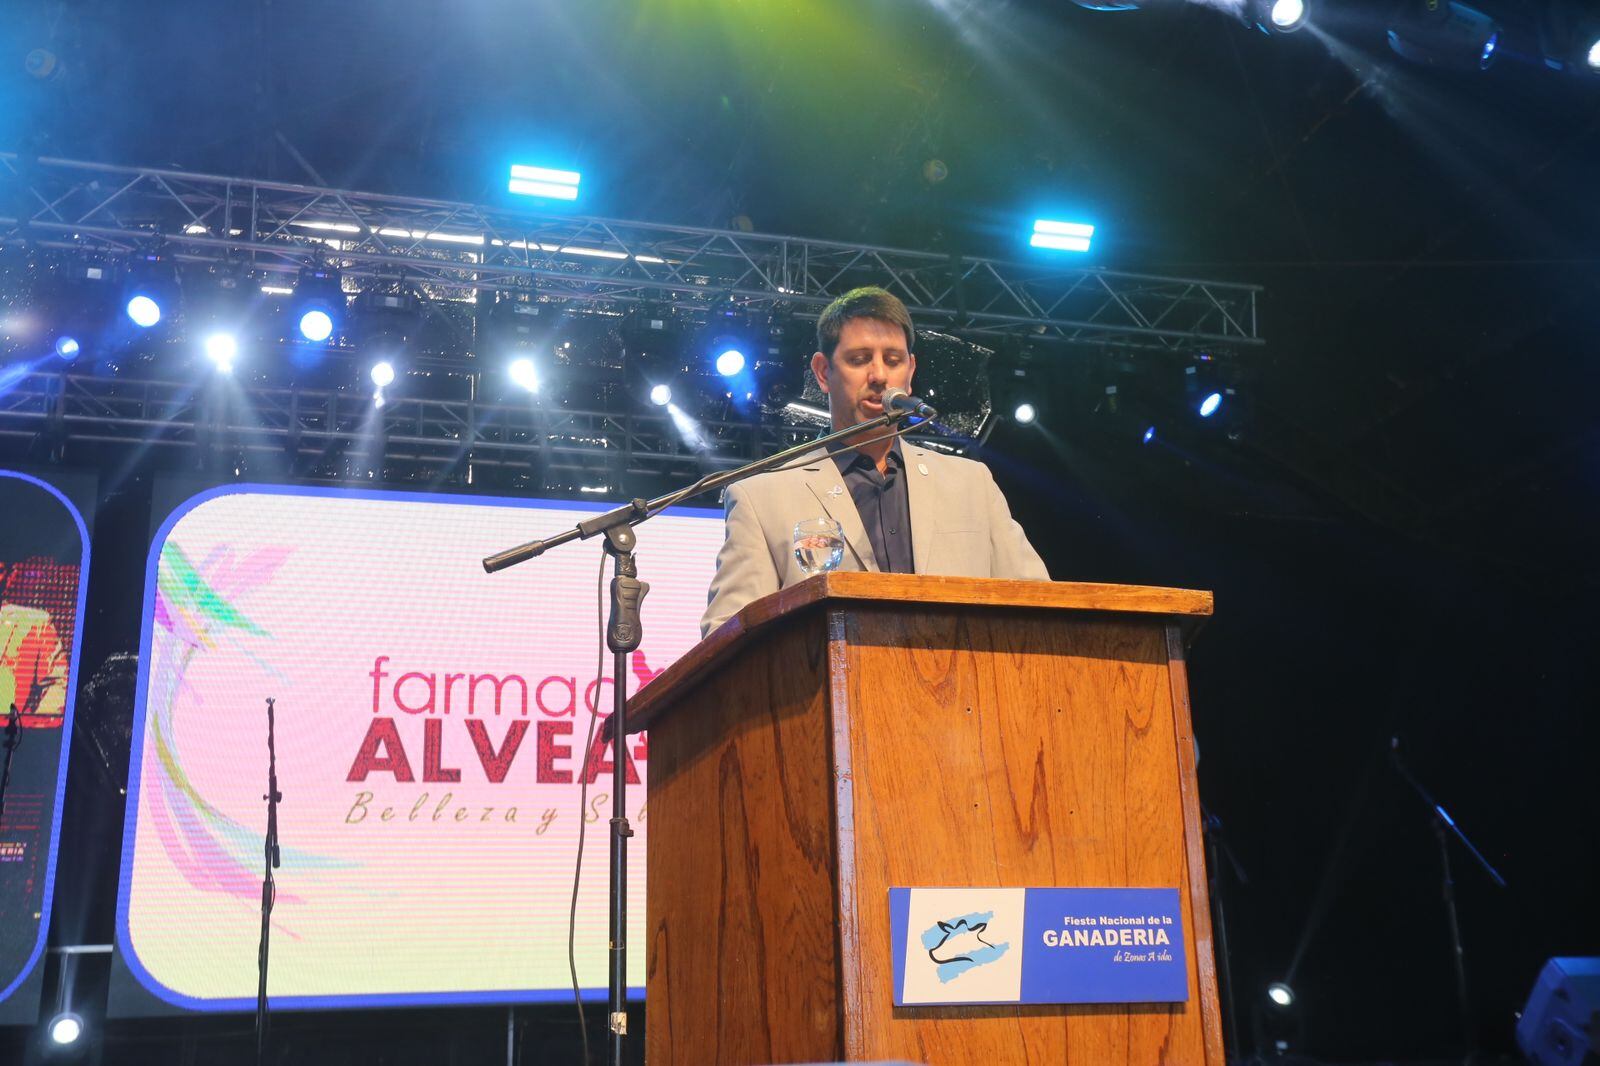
1398	523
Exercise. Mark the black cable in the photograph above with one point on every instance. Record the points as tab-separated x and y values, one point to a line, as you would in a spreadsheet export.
583	803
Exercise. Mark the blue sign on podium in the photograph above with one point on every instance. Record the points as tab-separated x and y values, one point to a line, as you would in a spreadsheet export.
1037	945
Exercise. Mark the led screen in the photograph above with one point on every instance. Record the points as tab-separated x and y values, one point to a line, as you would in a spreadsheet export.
44	562
430	721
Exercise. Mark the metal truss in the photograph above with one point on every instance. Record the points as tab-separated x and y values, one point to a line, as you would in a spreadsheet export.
451	250
310	433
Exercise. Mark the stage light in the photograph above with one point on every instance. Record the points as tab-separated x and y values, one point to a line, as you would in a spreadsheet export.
144	311
1062	236
319	297
1453	37
1287	16
661	395
515	327
1275	16
68	347
730	362
222	349
1149	435
1210	405
1594	56
316	325
384	322
150	288
524	374
65	1028
544	182
383	373
1025	414
1281	994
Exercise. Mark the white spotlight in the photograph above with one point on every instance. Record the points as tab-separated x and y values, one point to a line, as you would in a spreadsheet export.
316	326
144	311
1287	15
222	349
1594	56
524	374
1025	414
1280	994
383	374
66	1028
661	395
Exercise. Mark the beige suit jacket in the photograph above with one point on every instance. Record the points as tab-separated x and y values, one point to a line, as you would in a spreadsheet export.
960	527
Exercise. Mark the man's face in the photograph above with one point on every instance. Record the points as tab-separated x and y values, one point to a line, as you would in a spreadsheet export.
871	356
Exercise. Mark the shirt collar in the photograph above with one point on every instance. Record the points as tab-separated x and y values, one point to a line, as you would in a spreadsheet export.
850	458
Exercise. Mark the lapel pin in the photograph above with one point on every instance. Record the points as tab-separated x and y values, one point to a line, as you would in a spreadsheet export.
838	490
922	468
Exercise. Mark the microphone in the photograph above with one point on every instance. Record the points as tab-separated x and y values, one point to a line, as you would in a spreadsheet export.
898	399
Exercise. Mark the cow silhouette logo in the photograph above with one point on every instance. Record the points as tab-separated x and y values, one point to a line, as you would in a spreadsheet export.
958	945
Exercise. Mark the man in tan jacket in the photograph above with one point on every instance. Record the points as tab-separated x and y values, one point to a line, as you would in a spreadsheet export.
903	509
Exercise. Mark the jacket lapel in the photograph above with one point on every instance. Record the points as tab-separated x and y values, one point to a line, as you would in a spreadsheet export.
920	500
826	484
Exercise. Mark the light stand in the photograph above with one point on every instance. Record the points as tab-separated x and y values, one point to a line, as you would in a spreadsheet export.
1216	848
13	741
1443	827
624	633
269	890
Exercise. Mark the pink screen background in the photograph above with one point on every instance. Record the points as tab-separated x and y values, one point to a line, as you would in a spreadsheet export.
462	892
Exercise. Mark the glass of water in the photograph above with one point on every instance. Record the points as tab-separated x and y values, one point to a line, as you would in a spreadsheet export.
818	545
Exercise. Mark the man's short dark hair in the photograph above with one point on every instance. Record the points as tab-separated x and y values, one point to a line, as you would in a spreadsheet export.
867	302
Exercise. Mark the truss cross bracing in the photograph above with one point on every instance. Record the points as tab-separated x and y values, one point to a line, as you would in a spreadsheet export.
339	433
451	250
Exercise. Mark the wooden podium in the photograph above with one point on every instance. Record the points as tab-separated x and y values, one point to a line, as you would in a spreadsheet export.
860	731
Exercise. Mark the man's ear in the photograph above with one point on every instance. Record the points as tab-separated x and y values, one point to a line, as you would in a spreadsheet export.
820	365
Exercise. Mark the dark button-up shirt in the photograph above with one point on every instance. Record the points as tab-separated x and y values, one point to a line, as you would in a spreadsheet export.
884	506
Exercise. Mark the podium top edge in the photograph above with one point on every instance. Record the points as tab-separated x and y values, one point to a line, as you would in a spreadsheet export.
981	592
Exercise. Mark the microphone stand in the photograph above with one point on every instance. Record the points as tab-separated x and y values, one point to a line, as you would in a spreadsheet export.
623	635
1444	827
13	741
269	890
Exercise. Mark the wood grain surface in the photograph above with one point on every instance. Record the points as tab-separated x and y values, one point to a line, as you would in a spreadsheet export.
741	927
1013	752
869	744
910	589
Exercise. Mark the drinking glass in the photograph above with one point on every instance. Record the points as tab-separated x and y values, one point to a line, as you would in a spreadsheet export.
818	545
